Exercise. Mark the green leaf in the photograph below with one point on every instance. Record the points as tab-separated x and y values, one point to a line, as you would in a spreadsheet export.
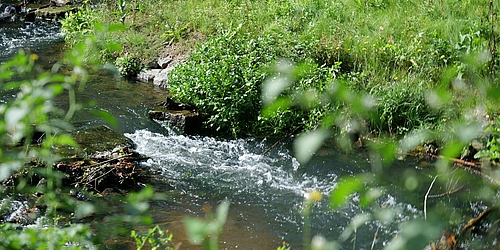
106	116
221	214
197	230
307	144
281	103
345	187
84	209
116	27
114	47
273	87
65	140
15	114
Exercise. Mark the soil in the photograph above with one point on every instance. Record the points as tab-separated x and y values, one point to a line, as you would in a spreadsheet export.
180	51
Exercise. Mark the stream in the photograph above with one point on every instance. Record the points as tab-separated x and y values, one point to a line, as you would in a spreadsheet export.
265	191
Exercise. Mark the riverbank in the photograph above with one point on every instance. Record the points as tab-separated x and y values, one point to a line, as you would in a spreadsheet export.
381	51
271	189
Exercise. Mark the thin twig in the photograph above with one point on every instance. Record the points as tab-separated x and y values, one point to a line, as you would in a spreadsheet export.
491	179
375	238
97	178
109	160
470	166
475	221
280	140
97	169
445	193
455	160
426	195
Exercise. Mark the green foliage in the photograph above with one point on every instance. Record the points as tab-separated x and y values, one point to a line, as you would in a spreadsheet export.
464	128
155	237
74	237
492	150
379	47
387	66
403	108
122	10
128	65
207	231
176	33
283	247
223	77
78	24
31	110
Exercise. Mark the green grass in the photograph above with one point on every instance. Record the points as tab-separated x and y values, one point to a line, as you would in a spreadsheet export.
394	50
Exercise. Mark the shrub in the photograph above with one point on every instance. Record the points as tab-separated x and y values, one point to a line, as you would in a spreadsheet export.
78	24
223	77
128	65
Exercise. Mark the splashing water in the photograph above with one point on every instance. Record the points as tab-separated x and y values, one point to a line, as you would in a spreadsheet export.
270	187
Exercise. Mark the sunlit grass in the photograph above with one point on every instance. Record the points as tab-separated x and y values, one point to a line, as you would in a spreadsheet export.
379	44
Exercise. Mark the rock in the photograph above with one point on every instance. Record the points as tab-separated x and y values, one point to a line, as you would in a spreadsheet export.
148	75
153	64
185	117
469	152
170	104
164	62
161	79
187	121
59	3
101	138
54	12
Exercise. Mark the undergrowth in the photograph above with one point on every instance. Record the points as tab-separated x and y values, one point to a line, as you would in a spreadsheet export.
393	50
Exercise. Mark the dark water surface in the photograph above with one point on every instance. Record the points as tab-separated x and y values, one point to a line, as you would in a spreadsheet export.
266	192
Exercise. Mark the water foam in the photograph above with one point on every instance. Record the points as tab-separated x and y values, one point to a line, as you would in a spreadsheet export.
239	163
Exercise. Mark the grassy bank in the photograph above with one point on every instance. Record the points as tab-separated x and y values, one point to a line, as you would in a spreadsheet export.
391	50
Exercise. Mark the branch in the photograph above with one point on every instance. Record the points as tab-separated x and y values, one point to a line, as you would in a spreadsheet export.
426	195
475	221
445	193
470	166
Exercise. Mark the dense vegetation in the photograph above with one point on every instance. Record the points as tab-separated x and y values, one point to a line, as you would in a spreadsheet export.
426	70
391	50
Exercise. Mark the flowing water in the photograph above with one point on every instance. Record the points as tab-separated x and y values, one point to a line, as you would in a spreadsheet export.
265	191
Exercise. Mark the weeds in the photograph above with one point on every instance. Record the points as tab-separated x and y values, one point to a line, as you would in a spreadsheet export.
156	237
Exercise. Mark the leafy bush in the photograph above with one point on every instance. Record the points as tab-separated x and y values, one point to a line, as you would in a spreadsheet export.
155	237
128	65
492	150
74	237
78	24
223	77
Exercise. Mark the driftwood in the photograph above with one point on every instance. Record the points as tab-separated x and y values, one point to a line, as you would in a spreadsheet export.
470	166
450	241
475	222
117	168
